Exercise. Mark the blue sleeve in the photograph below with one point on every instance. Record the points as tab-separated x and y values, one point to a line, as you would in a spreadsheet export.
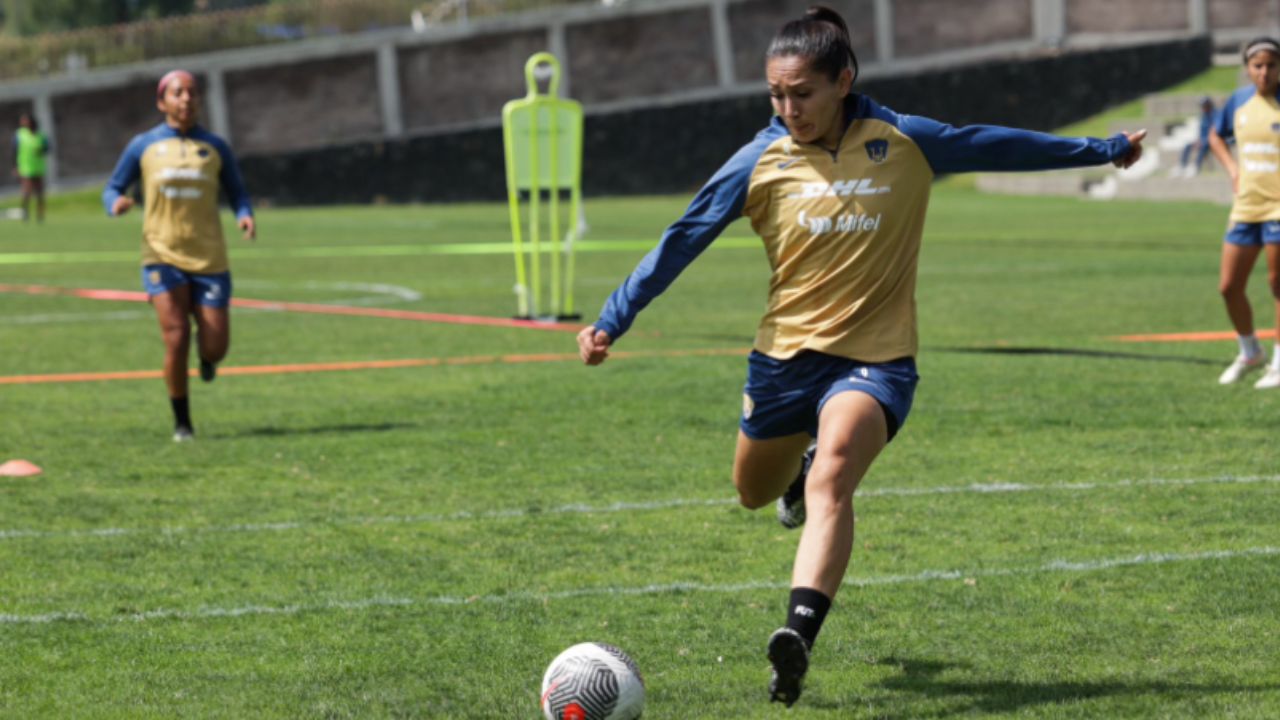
988	148
128	170
1225	122
717	204
232	184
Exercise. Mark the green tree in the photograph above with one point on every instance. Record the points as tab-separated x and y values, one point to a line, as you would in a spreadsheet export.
33	17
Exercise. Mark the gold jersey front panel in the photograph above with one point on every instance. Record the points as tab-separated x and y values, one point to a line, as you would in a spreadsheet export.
181	227
1256	124
842	233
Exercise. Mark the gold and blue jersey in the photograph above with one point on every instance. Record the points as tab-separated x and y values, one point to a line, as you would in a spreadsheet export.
1253	120
841	228
181	175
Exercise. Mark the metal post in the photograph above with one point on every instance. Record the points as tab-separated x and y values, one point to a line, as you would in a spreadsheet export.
722	42
884	30
216	99
389	90
1050	20
1198	16
42	109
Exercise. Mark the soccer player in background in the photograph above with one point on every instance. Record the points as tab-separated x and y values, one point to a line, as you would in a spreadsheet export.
837	187
30	148
184	257
1199	146
1252	117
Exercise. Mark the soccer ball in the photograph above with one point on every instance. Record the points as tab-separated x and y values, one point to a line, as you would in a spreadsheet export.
592	681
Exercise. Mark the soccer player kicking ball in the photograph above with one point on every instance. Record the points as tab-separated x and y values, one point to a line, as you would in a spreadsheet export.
1252	116
184	256
836	186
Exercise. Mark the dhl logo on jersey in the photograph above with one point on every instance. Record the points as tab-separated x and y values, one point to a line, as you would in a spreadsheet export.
839	188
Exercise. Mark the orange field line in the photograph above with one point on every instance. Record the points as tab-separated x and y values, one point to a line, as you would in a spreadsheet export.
1189	336
132	296
361	365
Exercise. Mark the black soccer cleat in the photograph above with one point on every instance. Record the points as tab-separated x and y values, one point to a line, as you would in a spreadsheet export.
208	370
183	434
789	656
791	512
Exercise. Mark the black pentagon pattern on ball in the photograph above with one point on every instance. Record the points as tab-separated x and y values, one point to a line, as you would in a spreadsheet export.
586	681
625	658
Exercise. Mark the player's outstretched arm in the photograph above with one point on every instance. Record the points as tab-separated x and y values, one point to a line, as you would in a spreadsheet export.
1135	149
593	345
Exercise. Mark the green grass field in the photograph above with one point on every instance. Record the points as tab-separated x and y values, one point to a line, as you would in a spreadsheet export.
1068	525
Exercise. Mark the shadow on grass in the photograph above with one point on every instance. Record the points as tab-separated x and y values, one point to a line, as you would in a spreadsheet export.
322	430
1076	352
921	678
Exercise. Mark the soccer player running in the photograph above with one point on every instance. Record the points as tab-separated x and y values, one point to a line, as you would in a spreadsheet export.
836	186
1252	116
30	148
184	257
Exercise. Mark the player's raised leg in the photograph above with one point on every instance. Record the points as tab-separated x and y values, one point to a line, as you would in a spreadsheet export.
173	307
211	299
213	338
762	469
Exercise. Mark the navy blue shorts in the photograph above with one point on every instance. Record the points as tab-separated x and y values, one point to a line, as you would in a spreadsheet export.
208	290
785	397
1254	233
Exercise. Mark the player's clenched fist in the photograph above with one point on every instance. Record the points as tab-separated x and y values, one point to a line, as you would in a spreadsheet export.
593	345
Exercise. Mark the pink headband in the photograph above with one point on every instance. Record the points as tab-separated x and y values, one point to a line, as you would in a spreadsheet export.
170	77
1261	45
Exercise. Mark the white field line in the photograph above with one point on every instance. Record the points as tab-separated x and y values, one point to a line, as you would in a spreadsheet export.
1054	566
582	509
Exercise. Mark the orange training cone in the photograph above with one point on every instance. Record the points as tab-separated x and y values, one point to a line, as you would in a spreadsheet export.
19	468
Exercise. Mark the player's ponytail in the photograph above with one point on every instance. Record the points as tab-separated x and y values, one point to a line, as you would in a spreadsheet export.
822	37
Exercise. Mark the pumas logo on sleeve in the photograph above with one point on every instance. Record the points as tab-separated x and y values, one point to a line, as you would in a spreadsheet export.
877	150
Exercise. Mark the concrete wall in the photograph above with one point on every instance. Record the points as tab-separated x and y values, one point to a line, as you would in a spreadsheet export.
393	85
641	55
1257	16
94	126
924	27
1102	16
438	82
307	104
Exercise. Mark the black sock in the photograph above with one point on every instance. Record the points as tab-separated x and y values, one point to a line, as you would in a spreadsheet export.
807	611
181	412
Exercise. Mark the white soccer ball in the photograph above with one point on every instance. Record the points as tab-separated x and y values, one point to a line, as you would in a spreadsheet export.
592	681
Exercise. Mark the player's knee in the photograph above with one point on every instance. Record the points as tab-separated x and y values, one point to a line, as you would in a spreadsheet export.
217	350
1231	288
752	498
829	486
1273	281
175	333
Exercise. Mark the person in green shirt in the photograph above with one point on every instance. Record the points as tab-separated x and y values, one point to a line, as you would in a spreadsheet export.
30	147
